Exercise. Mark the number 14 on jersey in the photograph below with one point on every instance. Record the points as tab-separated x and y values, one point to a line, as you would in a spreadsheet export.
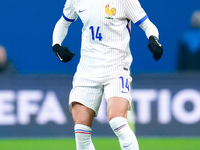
96	32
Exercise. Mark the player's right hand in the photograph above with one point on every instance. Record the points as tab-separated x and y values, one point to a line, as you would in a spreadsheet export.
63	53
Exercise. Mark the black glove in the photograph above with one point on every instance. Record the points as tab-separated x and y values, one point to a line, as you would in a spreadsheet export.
155	47
63	53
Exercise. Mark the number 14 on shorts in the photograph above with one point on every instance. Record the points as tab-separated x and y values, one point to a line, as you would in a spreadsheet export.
125	84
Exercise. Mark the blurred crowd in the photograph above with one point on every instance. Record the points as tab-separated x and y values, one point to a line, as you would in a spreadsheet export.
6	66
189	48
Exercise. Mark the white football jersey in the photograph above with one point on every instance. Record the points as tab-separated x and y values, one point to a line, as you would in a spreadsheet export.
105	33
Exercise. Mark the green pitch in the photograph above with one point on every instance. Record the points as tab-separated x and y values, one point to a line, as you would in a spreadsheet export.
100	144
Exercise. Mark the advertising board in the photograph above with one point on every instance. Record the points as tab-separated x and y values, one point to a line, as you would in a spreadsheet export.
37	106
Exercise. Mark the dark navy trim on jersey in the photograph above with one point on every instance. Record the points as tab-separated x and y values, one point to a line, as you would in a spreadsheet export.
129	29
67	19
141	20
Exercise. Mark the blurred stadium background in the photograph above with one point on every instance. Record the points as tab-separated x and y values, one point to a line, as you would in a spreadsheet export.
33	103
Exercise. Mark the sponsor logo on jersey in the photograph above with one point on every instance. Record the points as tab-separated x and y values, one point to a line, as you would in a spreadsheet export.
80	11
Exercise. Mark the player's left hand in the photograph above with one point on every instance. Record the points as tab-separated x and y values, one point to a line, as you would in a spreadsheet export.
155	47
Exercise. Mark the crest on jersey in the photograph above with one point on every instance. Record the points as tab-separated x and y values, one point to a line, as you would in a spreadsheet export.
110	11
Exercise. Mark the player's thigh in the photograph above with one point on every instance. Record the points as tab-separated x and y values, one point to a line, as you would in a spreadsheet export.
90	97
82	114
118	95
117	107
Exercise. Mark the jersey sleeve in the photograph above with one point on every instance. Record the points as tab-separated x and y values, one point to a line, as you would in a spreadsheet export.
69	13
149	28
135	12
61	27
